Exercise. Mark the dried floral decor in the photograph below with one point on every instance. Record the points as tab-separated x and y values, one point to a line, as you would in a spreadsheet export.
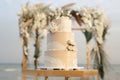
97	25
33	22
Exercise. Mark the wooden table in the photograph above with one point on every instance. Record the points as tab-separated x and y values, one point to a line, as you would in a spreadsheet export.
59	73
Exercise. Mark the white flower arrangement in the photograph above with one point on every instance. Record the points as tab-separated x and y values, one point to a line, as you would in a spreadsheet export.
39	21
24	11
53	27
36	14
32	18
58	12
95	20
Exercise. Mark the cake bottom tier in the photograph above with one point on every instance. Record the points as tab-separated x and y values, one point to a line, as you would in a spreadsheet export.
61	59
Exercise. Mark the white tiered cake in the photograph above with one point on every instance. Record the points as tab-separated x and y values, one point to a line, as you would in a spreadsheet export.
61	48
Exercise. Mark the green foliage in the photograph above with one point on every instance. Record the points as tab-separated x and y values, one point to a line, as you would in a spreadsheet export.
88	35
105	32
37	51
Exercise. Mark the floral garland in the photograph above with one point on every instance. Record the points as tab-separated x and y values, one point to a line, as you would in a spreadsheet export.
95	21
32	21
56	14
97	25
24	24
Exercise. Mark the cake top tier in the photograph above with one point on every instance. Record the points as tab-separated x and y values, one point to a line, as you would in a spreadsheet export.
62	24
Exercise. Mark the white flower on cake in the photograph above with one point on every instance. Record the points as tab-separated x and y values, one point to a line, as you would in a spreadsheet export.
59	12
53	27
62	24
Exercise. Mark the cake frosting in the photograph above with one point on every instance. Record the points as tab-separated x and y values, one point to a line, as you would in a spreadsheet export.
61	47
59	40
61	59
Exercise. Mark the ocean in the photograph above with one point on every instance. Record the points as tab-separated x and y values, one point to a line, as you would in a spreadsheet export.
13	72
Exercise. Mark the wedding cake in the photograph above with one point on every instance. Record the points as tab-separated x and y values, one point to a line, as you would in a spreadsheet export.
61	47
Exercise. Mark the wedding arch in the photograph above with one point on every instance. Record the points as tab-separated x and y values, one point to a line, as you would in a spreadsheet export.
94	24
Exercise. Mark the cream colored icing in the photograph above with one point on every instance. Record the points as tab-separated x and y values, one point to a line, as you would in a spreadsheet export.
60	58
59	40
61	46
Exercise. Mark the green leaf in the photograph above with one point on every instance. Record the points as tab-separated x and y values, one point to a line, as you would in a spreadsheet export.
105	31
88	35
37	51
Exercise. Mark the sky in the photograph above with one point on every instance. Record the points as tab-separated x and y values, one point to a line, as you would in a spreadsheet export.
10	46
